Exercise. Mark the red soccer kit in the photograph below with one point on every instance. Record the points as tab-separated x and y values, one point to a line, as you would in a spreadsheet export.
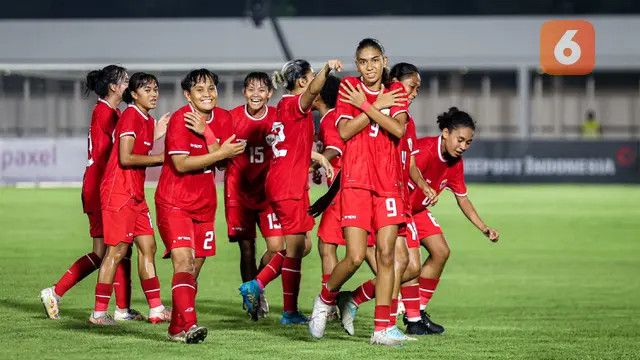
99	142
124	210
439	174
287	184
371	170
186	202
407	149
245	176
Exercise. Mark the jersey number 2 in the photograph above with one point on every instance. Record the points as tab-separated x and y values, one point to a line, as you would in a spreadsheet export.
208	240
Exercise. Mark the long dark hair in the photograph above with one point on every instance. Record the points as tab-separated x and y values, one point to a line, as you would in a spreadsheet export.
98	81
454	119
290	73
137	80
374	43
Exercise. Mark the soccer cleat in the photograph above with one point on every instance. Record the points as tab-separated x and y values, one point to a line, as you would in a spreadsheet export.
50	302
293	318
127	315
318	321
430	326
433	327
348	311
250	292
382	337
333	313
395	332
104	320
417	328
196	334
263	309
179	337
159	316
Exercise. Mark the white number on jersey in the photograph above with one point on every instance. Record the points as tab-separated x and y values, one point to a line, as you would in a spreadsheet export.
375	129
273	221
276	137
90	160
208	240
433	220
392	209
256	154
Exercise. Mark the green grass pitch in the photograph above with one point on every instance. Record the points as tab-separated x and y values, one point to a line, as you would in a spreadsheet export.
563	283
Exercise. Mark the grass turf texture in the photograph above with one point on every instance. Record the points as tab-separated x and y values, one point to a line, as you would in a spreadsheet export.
562	283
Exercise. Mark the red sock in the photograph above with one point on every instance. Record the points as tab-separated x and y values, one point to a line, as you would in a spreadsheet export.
272	270
411	301
184	301
393	312
122	282
103	295
291	275
381	317
325	278
177	323
427	288
327	296
364	292
79	270
151	288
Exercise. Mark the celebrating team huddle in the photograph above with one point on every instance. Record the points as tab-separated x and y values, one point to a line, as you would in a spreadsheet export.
382	182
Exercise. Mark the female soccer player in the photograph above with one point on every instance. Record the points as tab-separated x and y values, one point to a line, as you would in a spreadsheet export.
109	84
186	197
371	187
440	161
124	210
287	180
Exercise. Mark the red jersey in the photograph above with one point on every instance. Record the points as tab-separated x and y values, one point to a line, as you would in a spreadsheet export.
330	138
103	123
407	149
288	176
119	184
246	173
437	171
221	119
193	192
371	159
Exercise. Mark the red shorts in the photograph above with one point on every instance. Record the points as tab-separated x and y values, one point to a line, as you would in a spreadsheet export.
365	210
409	232
127	222
179	230
293	215
330	229
95	224
426	224
241	223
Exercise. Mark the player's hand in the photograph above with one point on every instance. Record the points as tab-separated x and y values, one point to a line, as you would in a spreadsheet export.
195	123
335	64
231	147
316	176
492	234
395	97
161	126
352	95
328	169
431	195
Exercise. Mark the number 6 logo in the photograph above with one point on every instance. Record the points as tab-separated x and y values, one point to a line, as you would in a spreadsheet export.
567	47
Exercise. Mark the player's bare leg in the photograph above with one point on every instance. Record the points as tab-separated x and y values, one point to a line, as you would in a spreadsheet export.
274	244
385	258
401	262
430	274
308	244
371	259
146	246
410	291
104	287
198	264
291	275
183	326
248	268
329	259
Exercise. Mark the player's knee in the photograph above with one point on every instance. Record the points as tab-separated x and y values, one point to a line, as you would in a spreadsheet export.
412	271
355	260
441	253
275	244
184	265
401	260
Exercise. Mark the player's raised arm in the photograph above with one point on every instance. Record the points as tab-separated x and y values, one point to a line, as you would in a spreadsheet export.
314	88
470	212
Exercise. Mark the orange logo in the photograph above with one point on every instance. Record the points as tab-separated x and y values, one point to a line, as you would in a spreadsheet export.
567	47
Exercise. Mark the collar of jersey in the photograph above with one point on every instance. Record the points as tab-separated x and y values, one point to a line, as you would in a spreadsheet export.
105	102
366	88
438	150
254	118
194	111
146	117
325	115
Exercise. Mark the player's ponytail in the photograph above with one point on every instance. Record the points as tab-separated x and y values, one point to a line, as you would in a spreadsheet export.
138	80
291	71
454	119
98	81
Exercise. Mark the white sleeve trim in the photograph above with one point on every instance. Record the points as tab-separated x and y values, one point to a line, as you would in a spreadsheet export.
455	193
129	133
176	152
335	148
343	117
399	112
414	152
410	185
300	106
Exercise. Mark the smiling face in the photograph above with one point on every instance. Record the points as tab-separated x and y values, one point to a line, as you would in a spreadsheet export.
370	63
457	141
203	95
412	84
257	94
146	96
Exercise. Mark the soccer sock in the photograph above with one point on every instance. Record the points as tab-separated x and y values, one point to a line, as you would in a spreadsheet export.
364	292
183	295
151	288
84	266
327	296
272	270
291	275
427	288
381	317
122	282
103	295
393	313
411	300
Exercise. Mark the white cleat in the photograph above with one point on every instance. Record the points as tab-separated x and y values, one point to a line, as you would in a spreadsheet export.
382	337
127	315
179	337
318	320
395	332
263	310
102	320
157	316
50	302
348	311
